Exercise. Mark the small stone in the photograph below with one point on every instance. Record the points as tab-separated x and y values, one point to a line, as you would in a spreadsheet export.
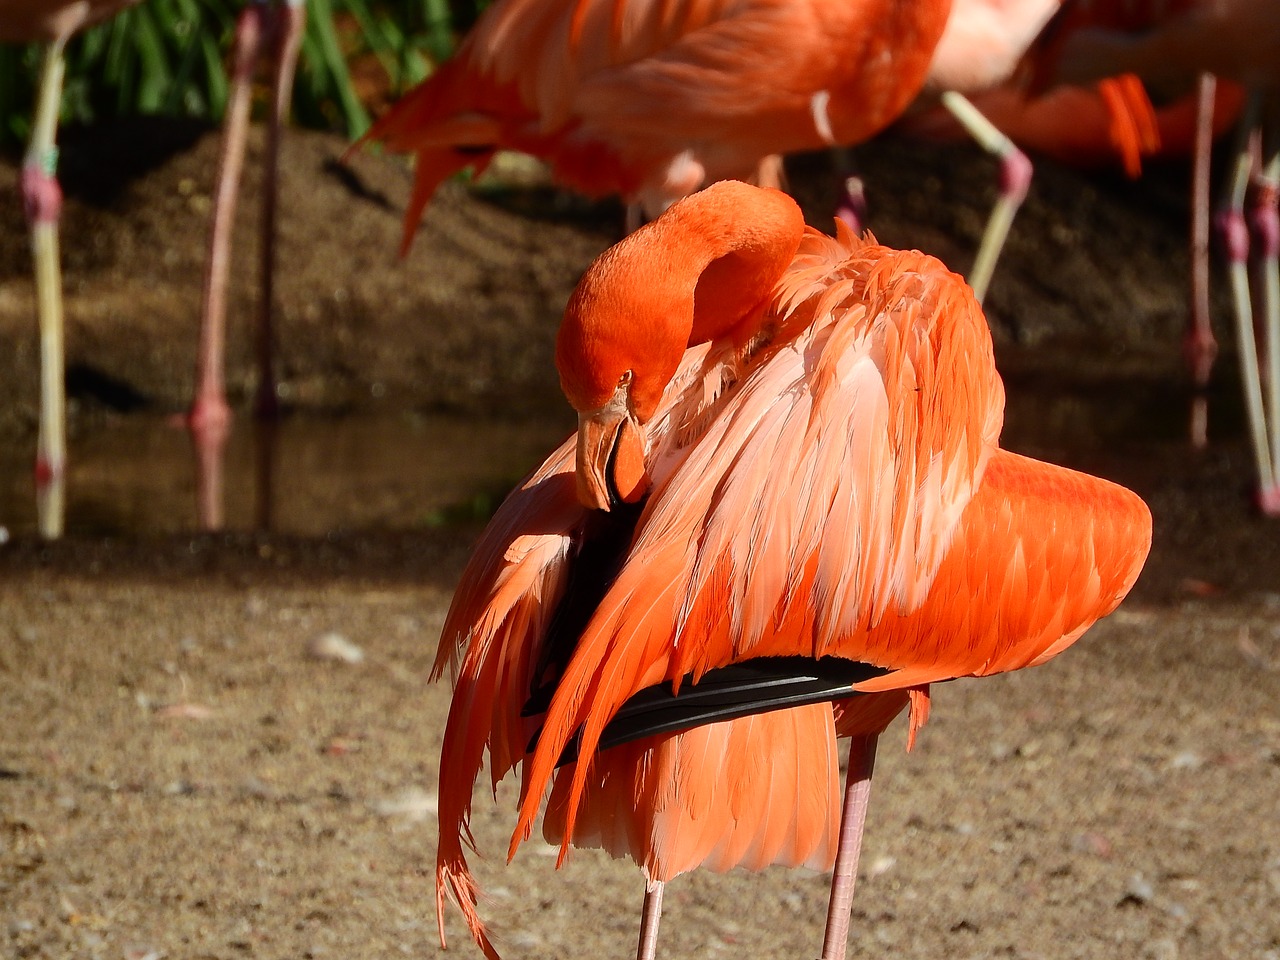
334	646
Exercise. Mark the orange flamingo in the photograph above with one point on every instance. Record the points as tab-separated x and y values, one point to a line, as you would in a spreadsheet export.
652	99
52	23
814	481
1170	44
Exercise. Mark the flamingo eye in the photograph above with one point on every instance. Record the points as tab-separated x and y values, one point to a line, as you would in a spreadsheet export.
625	378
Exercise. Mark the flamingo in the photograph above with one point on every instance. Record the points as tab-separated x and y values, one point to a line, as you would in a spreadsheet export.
652	99
786	464
1114	123
266	29
1171	44
980	49
977	67
52	22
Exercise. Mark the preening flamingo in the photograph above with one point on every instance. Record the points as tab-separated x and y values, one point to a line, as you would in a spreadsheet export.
266	30
1171	43
814	481
52	22
653	99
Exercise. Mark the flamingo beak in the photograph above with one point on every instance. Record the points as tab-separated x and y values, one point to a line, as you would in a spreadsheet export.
611	449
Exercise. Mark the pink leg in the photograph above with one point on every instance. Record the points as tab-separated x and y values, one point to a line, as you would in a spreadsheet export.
1199	346
648	947
210	418
862	759
42	201
1014	184
1264	225
1235	232
851	208
289	20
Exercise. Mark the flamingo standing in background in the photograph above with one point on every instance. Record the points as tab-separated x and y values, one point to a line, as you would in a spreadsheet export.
1171	44
981	55
653	99
982	52
266	30
980	49
813	493
52	22
270	32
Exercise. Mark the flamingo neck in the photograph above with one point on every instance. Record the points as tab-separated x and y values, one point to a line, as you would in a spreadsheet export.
704	270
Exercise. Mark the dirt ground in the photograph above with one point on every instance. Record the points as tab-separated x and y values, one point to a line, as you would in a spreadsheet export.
181	775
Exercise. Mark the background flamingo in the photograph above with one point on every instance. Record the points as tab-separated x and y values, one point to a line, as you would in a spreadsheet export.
700	520
51	23
652	99
980	50
1170	44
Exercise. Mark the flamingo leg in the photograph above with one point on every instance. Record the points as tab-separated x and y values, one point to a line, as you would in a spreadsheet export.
1265	227
1235	232
852	205
210	418
1199	346
289	22
652	913
1015	181
862	759
42	198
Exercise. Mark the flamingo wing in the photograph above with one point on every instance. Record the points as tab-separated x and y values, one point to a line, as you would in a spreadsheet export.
491	643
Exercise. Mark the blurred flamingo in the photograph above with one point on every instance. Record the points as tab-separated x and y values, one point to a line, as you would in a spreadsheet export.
1170	44
979	66
980	49
806	505
267	29
1113	122
53	23
652	99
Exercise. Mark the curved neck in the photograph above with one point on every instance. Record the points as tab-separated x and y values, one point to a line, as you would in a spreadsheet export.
703	270
735	253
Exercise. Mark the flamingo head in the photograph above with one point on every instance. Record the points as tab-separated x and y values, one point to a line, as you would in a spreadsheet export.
620	343
702	271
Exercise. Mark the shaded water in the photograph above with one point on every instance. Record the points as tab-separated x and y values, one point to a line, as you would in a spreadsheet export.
308	476
305	476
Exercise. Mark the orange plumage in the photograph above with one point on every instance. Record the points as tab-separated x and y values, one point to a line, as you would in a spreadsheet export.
652	99
822	478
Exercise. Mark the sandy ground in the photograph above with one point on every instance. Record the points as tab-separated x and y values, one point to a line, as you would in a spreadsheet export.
181	775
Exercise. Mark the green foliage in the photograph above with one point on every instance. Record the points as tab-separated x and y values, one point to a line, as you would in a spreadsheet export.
170	57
